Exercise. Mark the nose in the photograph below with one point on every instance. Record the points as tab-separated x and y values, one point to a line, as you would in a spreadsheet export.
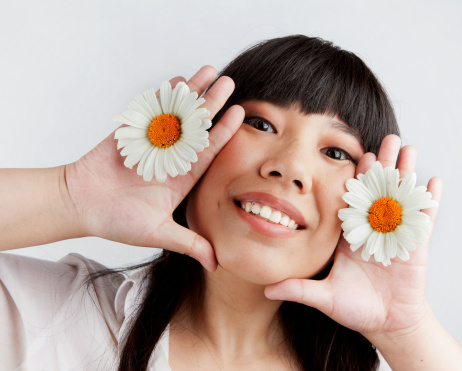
290	165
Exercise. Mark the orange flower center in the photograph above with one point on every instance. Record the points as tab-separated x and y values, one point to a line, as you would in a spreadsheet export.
385	215
164	130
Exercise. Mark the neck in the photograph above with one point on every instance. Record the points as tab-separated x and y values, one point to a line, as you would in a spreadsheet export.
236	318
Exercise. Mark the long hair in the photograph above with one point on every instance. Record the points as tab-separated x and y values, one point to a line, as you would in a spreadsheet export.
322	78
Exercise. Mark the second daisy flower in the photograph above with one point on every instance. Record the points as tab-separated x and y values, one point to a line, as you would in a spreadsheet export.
384	215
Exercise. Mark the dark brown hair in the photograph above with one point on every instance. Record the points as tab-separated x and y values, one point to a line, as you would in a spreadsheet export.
322	78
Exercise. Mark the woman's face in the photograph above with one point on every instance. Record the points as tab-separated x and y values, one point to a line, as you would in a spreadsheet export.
289	166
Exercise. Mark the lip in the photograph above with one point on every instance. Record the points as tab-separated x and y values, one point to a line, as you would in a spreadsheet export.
269	228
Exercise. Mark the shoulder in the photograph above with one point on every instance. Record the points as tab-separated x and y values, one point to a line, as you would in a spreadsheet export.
33	280
54	308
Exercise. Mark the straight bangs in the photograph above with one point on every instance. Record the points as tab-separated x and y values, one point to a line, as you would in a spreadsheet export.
321	78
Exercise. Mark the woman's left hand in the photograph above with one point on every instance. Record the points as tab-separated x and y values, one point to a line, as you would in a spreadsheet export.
366	296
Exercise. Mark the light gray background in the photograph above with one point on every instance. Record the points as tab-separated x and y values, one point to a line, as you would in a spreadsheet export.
67	67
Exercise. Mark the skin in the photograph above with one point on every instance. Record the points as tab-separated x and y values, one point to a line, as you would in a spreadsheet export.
295	163
239	328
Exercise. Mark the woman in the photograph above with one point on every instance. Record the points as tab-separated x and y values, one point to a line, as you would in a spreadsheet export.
314	116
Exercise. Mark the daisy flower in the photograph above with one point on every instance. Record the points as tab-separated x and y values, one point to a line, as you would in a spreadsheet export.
163	135
384	214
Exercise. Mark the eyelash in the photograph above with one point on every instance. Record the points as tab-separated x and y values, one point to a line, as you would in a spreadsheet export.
344	154
254	121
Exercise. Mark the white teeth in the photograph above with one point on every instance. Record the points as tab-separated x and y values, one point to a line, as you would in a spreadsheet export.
275	217
265	212
285	220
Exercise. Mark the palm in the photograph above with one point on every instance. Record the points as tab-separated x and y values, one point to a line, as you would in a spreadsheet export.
366	296
115	203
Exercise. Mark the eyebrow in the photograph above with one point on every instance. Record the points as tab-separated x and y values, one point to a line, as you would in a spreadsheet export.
344	128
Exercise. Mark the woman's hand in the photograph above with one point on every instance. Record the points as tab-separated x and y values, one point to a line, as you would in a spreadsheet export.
382	303
113	202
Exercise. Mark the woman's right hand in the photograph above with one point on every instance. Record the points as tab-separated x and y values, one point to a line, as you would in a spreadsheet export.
113	202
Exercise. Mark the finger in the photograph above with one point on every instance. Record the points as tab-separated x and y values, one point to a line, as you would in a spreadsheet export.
407	160
173	83
185	241
176	80
219	136
435	187
218	94
315	294
202	79
389	149
365	163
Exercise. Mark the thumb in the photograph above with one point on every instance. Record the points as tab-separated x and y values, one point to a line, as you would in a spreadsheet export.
316	294
184	241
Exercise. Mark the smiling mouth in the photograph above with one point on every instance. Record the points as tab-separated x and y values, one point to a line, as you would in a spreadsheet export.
268	214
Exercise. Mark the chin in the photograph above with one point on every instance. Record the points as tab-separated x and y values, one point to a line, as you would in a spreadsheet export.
261	267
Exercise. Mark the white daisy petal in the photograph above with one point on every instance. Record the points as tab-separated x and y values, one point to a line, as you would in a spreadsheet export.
392	179
379	248
402	253
415	218
135	157
359	234
187	107
375	242
165	96
181	166
392	245
130	132
123	142
149	166
177	97
353	223
191	126
344	214
159	166
151	99
375	180
133	146
359	188
398	225
406	186
357	201
139	104
189	110
136	118
418	201
355	246
200	113
141	165
186	152
365	255
206	124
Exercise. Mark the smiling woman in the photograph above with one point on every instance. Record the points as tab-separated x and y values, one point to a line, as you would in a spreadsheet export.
278	288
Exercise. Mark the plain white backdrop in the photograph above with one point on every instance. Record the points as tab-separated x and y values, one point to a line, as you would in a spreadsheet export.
67	67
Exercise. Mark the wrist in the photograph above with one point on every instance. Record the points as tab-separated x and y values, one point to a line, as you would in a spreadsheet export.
424	346
73	220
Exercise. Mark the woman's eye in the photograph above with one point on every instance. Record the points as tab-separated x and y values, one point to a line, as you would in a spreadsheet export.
259	124
337	154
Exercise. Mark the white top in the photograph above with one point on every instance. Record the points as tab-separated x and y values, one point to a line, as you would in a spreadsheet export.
50	320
